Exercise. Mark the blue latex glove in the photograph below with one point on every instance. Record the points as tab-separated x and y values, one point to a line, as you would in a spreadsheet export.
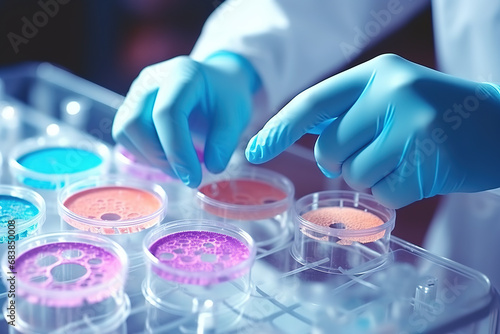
171	100
403	130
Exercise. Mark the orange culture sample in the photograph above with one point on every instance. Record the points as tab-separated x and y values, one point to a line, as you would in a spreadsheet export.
114	203
351	218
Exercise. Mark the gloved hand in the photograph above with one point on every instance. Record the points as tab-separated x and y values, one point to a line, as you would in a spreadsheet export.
403	130
170	100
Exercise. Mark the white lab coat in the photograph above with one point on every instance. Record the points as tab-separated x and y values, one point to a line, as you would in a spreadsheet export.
293	44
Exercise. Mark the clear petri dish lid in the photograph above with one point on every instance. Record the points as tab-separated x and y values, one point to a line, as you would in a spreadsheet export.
23	212
199	252
353	216
69	269
51	162
127	163
112	204
246	193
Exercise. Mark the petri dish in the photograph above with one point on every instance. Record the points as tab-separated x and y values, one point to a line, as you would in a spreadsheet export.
22	213
255	199
69	281
112	205
49	163
341	231
127	163
190	262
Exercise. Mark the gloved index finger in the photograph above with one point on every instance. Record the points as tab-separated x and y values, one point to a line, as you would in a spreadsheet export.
175	101
326	100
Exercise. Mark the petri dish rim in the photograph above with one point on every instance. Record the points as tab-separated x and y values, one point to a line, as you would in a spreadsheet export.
344	196
31	196
34	144
110	181
253	174
28	244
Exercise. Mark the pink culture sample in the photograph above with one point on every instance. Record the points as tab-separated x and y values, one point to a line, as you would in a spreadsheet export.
243	195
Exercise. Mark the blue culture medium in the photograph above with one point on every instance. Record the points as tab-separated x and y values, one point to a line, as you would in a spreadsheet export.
60	160
19	210
57	161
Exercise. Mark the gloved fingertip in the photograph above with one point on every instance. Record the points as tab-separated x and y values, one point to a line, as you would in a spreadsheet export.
252	144
255	155
329	174
248	155
216	159
215	165
189	179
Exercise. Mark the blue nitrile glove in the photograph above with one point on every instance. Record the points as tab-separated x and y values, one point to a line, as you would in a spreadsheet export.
155	122
403	130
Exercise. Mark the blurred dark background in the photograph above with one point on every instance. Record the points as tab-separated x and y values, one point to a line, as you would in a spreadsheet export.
109	41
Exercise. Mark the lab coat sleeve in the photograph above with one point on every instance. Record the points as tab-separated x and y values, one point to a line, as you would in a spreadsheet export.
467	35
292	44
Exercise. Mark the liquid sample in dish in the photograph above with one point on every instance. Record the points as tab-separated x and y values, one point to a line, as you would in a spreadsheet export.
225	198
346	218
113	203
60	160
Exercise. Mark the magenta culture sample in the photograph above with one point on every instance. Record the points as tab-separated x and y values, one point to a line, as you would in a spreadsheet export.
200	257
65	267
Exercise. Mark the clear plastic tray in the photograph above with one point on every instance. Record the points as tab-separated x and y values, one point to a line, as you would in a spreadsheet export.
409	290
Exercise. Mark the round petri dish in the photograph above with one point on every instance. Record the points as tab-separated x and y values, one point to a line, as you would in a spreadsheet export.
22	213
50	163
256	199
191	262
62	279
112	205
341	231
